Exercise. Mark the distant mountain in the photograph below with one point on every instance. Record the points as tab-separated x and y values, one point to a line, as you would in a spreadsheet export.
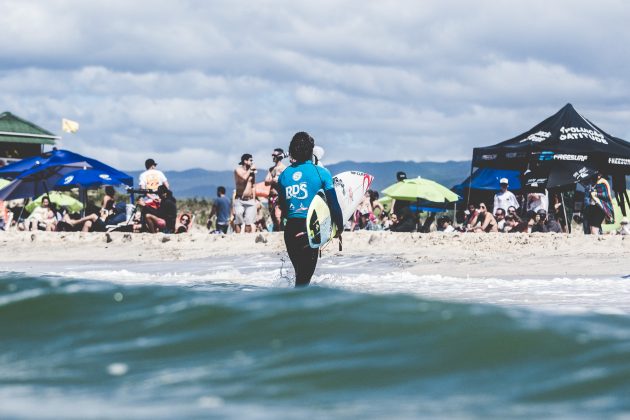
202	183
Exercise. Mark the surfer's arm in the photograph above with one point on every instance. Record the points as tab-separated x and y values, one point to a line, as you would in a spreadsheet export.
335	209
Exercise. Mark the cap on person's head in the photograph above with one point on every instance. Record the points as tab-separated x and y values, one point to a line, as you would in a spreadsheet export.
542	212
400	175
246	156
503	181
278	152
149	162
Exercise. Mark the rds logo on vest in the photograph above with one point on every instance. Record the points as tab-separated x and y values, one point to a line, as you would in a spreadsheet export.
298	191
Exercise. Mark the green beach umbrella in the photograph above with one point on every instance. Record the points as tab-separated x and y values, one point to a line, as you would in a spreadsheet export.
420	189
60	199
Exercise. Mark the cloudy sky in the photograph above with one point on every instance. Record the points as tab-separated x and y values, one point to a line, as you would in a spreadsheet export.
198	83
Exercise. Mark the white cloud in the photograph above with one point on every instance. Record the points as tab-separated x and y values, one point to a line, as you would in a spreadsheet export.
196	84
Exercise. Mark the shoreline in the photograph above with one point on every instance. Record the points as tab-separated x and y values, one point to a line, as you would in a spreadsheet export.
458	255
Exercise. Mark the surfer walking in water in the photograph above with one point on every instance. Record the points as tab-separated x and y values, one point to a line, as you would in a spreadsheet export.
297	186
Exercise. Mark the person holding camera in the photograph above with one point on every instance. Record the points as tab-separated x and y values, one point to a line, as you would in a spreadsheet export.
244	199
272	181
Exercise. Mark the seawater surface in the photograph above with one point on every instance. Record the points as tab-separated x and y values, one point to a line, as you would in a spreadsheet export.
228	338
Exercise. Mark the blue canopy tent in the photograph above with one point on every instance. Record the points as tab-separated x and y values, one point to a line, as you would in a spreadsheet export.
487	179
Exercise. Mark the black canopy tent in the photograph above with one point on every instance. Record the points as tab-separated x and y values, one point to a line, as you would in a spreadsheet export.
564	137
558	152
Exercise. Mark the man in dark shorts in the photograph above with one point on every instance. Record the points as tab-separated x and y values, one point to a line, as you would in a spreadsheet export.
297	186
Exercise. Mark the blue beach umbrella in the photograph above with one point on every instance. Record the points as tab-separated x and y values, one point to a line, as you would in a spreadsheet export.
47	170
89	178
34	182
16	168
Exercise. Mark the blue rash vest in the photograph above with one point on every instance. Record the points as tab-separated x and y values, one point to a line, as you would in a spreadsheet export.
299	183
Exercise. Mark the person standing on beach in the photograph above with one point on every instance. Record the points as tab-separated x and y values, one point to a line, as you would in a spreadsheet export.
272	181
244	200
152	178
504	198
298	185
221	208
601	204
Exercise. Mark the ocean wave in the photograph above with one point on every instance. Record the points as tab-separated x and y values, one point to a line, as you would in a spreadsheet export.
175	350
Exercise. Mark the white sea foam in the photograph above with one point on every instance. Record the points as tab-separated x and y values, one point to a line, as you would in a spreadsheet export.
360	274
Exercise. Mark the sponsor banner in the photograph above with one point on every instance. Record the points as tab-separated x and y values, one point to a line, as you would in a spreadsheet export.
534	182
578	133
549	155
619	161
570	157
582	173
537	137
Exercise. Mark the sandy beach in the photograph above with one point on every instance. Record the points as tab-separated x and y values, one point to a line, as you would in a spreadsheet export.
460	255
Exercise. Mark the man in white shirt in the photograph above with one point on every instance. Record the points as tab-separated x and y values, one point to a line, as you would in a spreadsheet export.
504	198
151	179
537	201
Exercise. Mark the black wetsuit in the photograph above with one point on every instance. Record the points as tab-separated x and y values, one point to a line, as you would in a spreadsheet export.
303	257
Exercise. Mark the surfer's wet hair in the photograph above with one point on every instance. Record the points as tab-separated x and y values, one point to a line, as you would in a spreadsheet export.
301	147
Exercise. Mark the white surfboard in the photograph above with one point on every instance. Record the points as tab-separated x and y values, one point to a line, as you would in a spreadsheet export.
350	187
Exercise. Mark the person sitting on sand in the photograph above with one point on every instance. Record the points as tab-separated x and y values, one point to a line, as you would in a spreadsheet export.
163	220
543	224
512	211
472	215
109	214
42	217
387	221
499	214
183	223
487	221
406	221
445	224
515	225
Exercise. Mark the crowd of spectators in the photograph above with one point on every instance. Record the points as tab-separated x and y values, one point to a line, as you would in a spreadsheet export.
155	210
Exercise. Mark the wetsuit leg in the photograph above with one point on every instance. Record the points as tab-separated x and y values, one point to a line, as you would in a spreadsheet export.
303	257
